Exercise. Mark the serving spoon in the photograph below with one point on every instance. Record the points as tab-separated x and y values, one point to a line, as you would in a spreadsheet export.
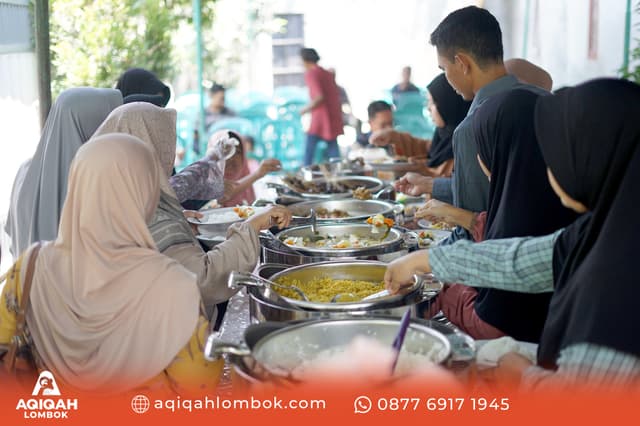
252	280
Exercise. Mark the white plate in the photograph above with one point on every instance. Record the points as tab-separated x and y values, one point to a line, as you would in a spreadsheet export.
437	235
424	223
216	217
217	221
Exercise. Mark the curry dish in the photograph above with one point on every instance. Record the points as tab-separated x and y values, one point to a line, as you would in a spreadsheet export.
323	289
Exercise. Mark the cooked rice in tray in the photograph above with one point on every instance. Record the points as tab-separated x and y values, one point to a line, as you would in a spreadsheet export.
323	289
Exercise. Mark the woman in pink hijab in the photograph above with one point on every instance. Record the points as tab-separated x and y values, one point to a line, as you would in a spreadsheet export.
107	312
238	174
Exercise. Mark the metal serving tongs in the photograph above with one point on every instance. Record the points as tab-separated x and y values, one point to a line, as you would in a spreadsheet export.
248	279
426	281
313	218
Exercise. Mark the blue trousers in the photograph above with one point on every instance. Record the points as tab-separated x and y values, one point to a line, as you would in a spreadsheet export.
312	141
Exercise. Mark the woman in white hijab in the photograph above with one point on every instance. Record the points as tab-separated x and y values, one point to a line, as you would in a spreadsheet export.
41	186
107	312
169	228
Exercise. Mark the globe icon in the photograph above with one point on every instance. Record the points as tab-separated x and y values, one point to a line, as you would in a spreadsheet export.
140	404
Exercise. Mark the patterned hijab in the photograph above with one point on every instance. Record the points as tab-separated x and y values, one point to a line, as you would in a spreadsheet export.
156	127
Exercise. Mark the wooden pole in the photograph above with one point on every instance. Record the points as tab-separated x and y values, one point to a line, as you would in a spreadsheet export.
43	58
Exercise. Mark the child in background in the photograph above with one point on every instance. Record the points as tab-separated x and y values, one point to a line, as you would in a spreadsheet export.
238	173
249	144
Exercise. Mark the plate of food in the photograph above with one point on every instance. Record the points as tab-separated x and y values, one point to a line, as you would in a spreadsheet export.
394	164
431	237
216	221
441	226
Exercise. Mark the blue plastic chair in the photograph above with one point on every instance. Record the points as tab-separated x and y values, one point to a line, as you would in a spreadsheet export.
238	124
290	110
409	103
284	140
241	101
290	94
416	125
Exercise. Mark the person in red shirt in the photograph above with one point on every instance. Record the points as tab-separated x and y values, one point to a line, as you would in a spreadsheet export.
325	108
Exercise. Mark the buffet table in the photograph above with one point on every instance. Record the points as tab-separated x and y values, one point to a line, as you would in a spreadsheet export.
237	317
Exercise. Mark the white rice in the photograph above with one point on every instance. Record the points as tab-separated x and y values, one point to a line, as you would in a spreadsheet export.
220	217
408	362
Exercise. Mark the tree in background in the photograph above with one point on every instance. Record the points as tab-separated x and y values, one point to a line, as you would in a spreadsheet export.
94	41
228	42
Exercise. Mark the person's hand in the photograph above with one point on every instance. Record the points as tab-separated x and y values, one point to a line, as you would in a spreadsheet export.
436	211
269	165
414	184
400	272
510	368
193	214
382	137
278	215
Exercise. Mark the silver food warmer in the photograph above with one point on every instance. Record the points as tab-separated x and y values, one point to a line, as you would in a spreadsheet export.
334	188
272	350
266	304
357	210
341	167
398	243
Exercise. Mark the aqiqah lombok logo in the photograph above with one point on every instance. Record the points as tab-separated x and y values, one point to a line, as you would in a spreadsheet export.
46	385
42	407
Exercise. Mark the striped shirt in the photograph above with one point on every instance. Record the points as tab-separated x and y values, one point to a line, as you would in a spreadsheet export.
524	264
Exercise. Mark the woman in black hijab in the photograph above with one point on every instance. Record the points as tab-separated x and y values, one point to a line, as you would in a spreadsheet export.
447	110
450	106
521	203
140	85
590	141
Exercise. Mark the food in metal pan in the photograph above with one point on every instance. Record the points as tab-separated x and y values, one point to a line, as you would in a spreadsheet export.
380	224
346	241
323	289
361	193
324	213
323	187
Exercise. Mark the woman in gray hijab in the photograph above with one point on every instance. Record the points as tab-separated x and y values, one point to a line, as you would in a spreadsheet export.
40	186
170	230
